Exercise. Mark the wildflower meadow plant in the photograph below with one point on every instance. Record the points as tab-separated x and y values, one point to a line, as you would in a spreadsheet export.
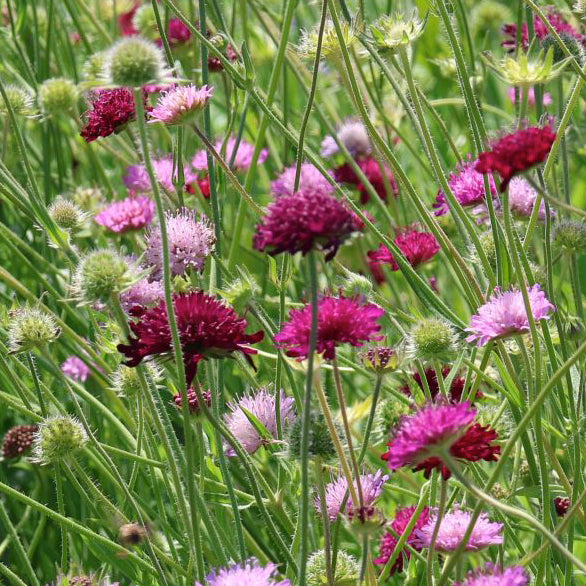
292	293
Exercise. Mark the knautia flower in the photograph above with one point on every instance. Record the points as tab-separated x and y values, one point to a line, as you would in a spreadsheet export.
492	575
31	328
353	135
249	573
431	339
134	62
311	182
340	320
262	406
136	178
57	96
66	213
181	104
330	47
570	236
347	571
391	33
131	213
399	525
516	152
125	19
20	99
207	328
242	158
18	441
452	528
193	402
561	505
522	198
58	438
75	368
144	293
191	241
372	171
177	33
546	100
467	185
336	492
504	315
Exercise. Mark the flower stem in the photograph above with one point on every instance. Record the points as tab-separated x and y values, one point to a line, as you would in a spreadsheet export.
440	513
319	479
371	415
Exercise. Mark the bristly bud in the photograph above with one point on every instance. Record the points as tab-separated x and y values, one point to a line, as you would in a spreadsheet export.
347	569
57	96
499	492
489	14
486	240
193	401
66	213
241	292
58	438
125	382
89	199
320	440
390	34
31	328
570	235
387	416
145	23
134	62
330	48
381	360
100	274
18	441
355	285
580	9
432	339
94	66
20	99
132	534
572	44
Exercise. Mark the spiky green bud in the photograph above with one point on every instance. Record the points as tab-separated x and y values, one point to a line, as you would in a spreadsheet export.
58	438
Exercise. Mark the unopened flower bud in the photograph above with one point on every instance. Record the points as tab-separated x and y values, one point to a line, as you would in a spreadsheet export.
57	96
134	62
18	441
88	199
330	47
94	66
145	23
381	360
125	382
432	339
31	328
219	41
193	400
356	285
561	505
570	235
499	492
320	439
387	416
347	569
66	213
392	33
20	99
572	44
58	438
241	292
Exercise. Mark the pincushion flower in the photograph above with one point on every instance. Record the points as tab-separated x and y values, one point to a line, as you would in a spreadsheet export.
516	152
18	440
190	240
136	178
262	406
455	391
75	368
353	135
132	213
144	293
372	170
180	104
214	63
250	573
336	491
419	439
208	328
242	158
389	541
311	182
452	528
504	315
492	575
522	198
340	320
177	33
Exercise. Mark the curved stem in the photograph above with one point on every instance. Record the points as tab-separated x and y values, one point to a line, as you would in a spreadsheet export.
319	478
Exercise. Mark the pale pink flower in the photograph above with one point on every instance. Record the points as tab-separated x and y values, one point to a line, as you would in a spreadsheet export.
180	104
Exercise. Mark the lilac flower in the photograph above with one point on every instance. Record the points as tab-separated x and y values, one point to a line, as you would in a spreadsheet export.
251	573
336	490
522	198
492	575
353	135
505	315
242	159
311	182
180	104
136	178
144	293
262	406
75	368
530	97
132	213
452	528
191	241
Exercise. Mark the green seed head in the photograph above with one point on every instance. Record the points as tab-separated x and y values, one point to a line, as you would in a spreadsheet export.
320	440
93	67
347	569
31	328
20	99
432	339
571	43
134	62
570	236
58	439
145	23
66	213
57	96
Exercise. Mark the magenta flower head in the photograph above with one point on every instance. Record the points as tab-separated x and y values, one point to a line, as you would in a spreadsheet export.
75	368
340	320
180	104
492	575
193	402
208	328
522	199
242	158
336	492
132	213
398	525
143	293
177	33
372	170
452	528
311	182
191	241
467	185
504	315
18	441
251	573
136	178
262	406
516	152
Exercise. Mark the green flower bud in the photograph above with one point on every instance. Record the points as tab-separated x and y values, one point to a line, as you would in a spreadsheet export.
145	23
134	62
387	416
499	492
241	292
58	439
347	570
320	440
66	214
20	99
570	235
490	15
432	339
572	44
381	360
89	199
31	328
393	33
94	65
57	96
125	382
330	48
355	284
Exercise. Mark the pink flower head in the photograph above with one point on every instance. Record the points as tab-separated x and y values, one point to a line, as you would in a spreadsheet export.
336	492
251	573
262	406
389	541
111	111
505	315
522	198
145	293
132	213
467	185
452	528
372	170
311	182
516	152
492	575
192	400
180	104
547	101
208	328
242	159
177	33
75	368
191	241
353	135
136	178
340	320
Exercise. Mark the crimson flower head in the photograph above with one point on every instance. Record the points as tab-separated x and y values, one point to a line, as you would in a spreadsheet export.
418	438
455	391
372	170
125	21
177	33
208	328
340	320
516	152
417	246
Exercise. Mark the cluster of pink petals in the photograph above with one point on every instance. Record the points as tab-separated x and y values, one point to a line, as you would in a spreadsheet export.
180	104
546	100
136	178
340	320
261	405
249	573
452	528
177	33
337	490
75	368
144	293
522	198
311	182
132	213
492	575
505	315
242	158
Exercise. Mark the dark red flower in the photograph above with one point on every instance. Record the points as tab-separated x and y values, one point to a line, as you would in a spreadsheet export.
177	32
125	23
456	387
418	247
193	401
110	111
214	63
389	541
208	328
561	505
18	440
516	152
370	167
